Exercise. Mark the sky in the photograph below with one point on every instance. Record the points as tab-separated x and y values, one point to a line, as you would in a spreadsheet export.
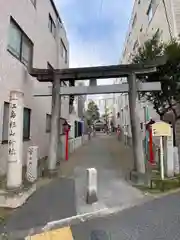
96	30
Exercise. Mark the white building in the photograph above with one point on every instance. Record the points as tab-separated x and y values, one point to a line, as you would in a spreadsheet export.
148	17
32	34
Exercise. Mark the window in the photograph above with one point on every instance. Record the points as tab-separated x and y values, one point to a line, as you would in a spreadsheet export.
63	51
139	96
5	122
26	123
48	123
136	44
19	45
33	2
150	12
141	29
52	26
134	20
78	129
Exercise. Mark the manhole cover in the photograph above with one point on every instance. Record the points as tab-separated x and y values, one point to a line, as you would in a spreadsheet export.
99	235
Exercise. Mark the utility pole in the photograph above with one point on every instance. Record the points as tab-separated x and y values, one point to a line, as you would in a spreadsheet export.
138	154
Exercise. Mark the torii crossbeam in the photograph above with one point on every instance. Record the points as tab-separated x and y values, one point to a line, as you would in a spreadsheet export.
130	71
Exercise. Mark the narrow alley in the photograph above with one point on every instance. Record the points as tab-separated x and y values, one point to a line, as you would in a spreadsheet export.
113	162
65	196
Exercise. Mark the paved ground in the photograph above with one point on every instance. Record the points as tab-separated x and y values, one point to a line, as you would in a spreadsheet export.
51	202
65	197
154	220
112	161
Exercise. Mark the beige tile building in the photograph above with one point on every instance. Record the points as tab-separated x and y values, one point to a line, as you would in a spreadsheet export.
147	18
31	34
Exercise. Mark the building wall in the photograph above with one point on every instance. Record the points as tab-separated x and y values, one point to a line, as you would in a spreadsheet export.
14	75
165	17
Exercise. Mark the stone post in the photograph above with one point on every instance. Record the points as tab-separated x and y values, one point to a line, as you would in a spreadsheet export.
32	164
91	196
170	155
15	140
176	161
138	151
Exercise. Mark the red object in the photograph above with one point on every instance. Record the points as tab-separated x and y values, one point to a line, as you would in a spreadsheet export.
67	145
67	128
151	154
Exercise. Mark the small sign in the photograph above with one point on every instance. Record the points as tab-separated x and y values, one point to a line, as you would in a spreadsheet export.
160	129
32	158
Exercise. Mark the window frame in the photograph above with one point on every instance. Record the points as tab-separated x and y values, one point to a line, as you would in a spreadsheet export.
150	9
64	49
23	35
48	118
27	138
134	20
5	141
136	45
52	25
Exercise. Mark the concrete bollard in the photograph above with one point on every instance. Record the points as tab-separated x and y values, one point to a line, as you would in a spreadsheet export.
91	186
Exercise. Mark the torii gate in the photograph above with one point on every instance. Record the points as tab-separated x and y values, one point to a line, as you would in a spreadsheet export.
130	71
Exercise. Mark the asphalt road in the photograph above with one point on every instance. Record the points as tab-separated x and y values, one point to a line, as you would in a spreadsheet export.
52	202
157	219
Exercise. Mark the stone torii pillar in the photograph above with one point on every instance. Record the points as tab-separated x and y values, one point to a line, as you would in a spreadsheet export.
139	165
15	140
55	125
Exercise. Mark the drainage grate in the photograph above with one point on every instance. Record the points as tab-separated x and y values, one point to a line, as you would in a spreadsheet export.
99	235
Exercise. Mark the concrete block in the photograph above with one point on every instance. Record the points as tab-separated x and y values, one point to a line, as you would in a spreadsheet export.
12	200
91	186
138	178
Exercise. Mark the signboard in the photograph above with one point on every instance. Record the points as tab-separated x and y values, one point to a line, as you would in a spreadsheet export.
160	129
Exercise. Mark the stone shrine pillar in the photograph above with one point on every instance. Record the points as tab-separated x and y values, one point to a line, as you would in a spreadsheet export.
170	155
32	164
15	140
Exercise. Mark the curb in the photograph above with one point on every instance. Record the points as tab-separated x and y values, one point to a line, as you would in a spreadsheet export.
74	220
81	218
